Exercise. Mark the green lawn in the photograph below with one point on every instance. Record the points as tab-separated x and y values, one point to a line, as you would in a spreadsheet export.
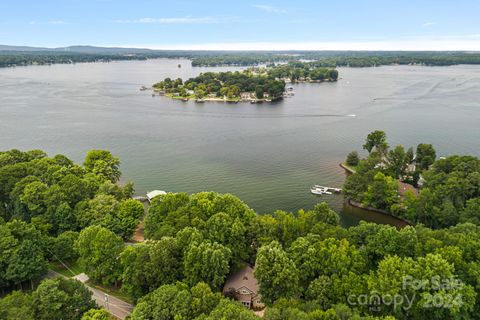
67	272
77	269
353	168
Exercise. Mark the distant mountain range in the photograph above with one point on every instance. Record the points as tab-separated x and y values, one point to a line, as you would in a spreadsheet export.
79	49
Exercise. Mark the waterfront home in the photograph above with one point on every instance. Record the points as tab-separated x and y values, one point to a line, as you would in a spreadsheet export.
404	187
243	287
246	96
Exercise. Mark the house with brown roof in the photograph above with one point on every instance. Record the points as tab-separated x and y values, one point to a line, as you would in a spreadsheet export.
243	287
404	187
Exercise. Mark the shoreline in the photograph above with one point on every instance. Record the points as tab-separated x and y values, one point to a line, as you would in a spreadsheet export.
358	205
211	99
347	168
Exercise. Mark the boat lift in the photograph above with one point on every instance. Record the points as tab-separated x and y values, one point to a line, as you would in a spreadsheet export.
320	190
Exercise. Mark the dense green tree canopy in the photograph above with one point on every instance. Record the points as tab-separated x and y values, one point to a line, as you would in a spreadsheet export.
177	302
99	253
21	253
387	180
61	299
207	262
276	273
150	265
306	264
382	193
172	212
97	314
17	306
61	196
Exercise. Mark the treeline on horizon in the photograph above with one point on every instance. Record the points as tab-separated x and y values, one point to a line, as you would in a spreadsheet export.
342	58
12	59
246	58
308	267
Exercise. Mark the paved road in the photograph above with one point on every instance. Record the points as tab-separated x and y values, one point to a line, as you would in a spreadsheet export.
118	308
115	306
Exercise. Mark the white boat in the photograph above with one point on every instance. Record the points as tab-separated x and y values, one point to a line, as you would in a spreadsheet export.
316	191
336	190
319	191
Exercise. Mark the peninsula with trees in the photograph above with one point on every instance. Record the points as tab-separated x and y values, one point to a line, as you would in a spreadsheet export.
413	184
254	84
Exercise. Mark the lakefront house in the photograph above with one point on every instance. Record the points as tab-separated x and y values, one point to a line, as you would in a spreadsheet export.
243	287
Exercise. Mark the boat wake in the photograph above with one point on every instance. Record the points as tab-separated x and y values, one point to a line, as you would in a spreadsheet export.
249	115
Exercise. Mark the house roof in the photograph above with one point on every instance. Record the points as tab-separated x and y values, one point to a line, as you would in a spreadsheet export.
242	278
404	187
154	193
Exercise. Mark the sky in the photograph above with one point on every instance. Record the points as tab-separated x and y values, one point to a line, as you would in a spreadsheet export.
244	25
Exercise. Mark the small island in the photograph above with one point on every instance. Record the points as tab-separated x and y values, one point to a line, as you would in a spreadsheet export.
256	84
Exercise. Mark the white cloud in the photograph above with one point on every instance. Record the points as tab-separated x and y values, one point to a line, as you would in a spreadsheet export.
428	24
269	9
56	22
177	20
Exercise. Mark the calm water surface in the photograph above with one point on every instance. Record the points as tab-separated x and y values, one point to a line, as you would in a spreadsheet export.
267	154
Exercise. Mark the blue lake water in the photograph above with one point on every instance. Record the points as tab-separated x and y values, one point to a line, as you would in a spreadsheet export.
267	154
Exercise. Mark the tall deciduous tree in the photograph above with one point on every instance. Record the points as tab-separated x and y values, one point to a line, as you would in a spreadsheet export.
426	155
150	265
99	252
324	214
397	161
17	306
352	158
207	262
376	139
103	163
97	314
61	298
315	257
231	233
424	282
382	193
165	303
21	253
277	275
228	309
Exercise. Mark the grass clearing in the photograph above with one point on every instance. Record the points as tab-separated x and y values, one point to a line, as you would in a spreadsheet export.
73	269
